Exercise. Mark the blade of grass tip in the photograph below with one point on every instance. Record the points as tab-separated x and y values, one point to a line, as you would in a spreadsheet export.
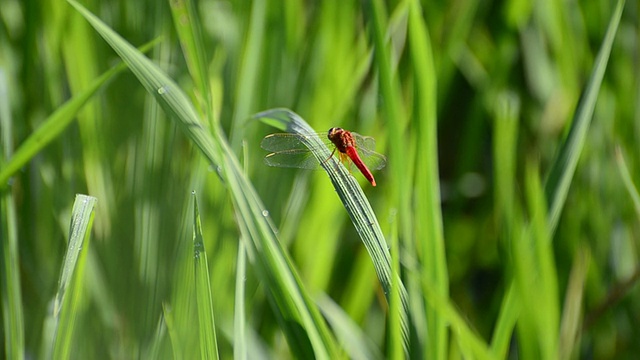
153	350
274	266
204	301
65	308
570	324
563	168
546	312
626	178
354	200
13	319
167	313
429	226
353	339
57	122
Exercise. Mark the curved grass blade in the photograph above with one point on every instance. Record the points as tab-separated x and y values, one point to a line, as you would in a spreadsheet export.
300	319
564	166
204	302
352	197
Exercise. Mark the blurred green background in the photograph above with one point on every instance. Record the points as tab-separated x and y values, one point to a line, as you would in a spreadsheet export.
509	76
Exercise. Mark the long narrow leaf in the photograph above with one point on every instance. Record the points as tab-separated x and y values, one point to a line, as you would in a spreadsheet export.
428	226
561	174
53	126
204	301
65	307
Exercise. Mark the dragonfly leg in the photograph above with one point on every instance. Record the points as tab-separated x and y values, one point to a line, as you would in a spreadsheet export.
330	156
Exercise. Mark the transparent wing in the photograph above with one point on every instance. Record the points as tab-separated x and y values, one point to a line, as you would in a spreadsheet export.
293	158
364	142
366	146
372	159
285	141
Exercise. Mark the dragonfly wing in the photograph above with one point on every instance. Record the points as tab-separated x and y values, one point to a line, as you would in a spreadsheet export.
293	158
364	142
372	159
286	141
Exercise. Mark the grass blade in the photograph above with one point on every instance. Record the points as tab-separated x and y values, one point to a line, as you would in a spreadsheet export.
53	126
571	317
65	308
204	302
12	308
355	342
429	226
239	331
628	182
562	170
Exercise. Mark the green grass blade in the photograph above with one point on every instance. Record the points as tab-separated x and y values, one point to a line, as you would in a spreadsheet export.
239	319
53	126
13	319
628	182
572	315
167	313
353	199
274	267
12	308
248	74
503	332
58	122
562	170
204	301
354	341
65	308
543	288
428	226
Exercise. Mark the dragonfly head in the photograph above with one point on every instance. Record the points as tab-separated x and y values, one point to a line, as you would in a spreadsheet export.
333	131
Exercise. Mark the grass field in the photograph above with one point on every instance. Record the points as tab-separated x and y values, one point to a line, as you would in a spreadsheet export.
505	224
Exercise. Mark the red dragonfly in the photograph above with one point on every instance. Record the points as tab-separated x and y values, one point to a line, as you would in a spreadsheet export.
289	151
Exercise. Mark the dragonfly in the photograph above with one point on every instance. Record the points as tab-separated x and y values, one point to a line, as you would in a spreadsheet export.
287	150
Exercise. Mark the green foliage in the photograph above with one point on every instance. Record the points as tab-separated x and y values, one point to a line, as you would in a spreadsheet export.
501	227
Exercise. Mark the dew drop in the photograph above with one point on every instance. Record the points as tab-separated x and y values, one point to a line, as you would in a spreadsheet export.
162	90
265	213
